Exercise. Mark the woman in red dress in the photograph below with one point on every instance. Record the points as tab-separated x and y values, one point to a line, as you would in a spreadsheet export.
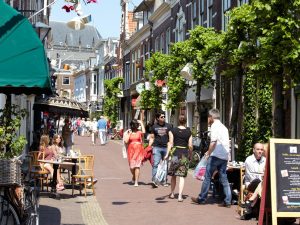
135	150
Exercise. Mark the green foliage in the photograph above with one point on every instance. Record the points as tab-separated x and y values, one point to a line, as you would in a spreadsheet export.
249	121
95	114
202	50
111	99
205	53
264	106
10	122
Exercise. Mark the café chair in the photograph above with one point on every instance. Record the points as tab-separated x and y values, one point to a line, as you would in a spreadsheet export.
36	171
242	191
84	174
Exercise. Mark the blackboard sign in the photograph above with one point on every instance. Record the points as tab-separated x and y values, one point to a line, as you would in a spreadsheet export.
285	178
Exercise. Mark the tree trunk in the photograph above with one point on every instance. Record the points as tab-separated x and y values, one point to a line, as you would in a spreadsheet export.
198	106
278	119
237	93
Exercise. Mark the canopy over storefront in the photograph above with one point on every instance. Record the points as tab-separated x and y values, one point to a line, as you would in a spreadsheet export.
61	106
23	64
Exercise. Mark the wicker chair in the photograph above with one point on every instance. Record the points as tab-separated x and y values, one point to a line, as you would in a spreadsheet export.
36	171
85	172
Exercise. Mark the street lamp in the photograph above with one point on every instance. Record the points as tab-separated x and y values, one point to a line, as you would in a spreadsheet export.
42	30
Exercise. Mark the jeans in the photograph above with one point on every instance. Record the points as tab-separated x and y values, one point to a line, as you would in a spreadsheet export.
102	136
214	164
158	154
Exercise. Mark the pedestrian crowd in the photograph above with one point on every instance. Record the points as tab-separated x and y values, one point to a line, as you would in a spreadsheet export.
171	150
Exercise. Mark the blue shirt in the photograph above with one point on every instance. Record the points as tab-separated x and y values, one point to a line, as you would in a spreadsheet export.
101	125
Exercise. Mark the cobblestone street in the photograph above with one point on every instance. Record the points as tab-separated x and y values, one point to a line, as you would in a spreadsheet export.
117	202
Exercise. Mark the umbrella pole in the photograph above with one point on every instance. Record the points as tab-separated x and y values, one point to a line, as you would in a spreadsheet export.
58	124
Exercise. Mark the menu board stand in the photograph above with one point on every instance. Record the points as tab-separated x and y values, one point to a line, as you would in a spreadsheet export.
284	171
265	202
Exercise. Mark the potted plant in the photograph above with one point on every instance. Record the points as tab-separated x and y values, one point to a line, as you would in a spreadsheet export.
11	144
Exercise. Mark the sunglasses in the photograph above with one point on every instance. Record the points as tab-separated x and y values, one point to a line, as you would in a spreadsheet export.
162	117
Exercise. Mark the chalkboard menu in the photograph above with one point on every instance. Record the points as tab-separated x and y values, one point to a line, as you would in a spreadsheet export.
287	157
285	178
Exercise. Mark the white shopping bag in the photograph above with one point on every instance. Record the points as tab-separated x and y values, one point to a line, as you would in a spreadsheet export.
124	150
161	174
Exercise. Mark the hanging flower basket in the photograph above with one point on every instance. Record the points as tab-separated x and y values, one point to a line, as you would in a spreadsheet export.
10	172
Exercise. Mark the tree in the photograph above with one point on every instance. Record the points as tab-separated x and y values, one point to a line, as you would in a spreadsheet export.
11	144
279	48
111	99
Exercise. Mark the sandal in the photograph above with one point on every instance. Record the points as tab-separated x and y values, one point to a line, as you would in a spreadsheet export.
171	196
60	187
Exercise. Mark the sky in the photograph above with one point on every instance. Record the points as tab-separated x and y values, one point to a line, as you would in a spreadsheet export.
106	14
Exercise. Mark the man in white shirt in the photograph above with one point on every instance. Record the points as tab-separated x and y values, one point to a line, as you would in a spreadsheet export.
255	164
217	155
254	171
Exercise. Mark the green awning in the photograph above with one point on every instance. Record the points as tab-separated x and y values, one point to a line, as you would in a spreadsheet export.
23	64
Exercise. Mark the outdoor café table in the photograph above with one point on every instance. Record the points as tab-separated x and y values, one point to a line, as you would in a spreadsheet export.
74	160
233	176
56	165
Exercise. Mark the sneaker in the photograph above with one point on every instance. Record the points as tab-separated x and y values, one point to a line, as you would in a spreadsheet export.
246	204
89	184
166	185
224	205
236	193
154	185
197	201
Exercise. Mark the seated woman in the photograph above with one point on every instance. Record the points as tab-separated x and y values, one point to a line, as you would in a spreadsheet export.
57	145
49	154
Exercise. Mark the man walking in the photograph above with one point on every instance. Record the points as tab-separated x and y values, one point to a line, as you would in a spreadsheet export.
102	128
159	138
217	156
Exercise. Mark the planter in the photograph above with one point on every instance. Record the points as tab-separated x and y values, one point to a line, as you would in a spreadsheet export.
10	172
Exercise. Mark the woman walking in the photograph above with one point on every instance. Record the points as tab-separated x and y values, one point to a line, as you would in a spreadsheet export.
135	150
181	143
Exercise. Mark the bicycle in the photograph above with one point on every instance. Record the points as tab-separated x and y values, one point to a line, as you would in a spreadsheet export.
200	146
19	204
117	134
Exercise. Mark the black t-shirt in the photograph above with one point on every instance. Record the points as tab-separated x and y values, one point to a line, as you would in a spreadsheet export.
161	134
181	136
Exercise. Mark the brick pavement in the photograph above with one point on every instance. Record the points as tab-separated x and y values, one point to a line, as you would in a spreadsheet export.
117	202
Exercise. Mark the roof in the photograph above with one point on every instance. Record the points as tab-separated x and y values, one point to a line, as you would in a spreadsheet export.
145	5
63	35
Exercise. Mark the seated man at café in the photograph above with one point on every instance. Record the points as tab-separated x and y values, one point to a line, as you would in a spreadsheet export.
254	171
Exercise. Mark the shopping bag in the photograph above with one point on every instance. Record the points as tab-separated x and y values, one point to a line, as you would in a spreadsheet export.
124	151
161	174
200	169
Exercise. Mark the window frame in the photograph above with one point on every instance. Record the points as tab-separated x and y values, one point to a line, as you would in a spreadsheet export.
63	80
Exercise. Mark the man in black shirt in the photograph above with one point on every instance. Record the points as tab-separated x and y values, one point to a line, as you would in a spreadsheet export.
159	138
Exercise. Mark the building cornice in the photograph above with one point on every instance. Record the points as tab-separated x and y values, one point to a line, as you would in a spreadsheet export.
160	11
139	36
173	2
